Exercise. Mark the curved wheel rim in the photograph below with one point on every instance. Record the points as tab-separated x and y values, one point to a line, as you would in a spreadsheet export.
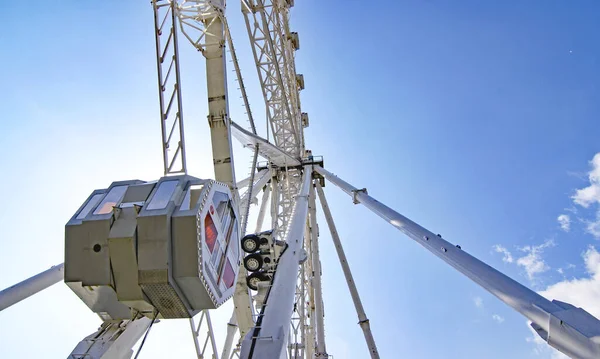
250	245
252	264
254	282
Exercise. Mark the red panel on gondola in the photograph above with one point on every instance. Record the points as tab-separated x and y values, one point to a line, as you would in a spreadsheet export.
210	232
228	275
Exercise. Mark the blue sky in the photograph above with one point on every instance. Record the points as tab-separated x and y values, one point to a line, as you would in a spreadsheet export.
478	120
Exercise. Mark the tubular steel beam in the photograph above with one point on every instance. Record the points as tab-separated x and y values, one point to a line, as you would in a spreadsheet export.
569	329
30	286
363	321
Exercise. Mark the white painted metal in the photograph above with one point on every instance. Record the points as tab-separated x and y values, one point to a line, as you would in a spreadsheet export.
169	87
245	204
321	351
242	303
30	286
263	178
571	330
300	346
263	209
269	151
232	328
250	193
201	23
304	299
244	183
204	328
204	24
295	295
245	299
301	339
363	321
271	40
113	340
269	337
268	30
289	183
238	73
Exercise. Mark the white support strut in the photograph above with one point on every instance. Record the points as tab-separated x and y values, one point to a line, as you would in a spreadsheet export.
263	178
31	286
263	209
113	340
363	321
321	351
565	327
269	337
202	347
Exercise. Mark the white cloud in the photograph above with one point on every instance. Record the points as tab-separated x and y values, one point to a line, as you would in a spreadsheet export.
565	222
478	302
507	256
498	318
581	292
533	262
590	194
542	348
593	227
562	270
572	209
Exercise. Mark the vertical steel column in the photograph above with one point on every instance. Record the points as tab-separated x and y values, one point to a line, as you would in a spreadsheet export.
297	344
274	200
309	295
218	103
231	329
321	351
363	321
263	209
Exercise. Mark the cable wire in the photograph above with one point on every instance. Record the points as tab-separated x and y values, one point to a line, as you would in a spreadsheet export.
146	335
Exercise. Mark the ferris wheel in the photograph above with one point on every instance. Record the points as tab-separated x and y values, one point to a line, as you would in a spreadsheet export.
141	252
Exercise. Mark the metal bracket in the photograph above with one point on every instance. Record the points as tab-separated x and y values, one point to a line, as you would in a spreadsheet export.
355	195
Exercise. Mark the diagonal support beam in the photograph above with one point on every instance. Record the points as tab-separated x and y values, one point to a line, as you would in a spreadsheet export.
565	327
270	335
363	321
266	149
30	286
321	351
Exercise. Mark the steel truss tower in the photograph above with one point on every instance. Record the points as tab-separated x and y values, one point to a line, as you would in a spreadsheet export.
283	317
